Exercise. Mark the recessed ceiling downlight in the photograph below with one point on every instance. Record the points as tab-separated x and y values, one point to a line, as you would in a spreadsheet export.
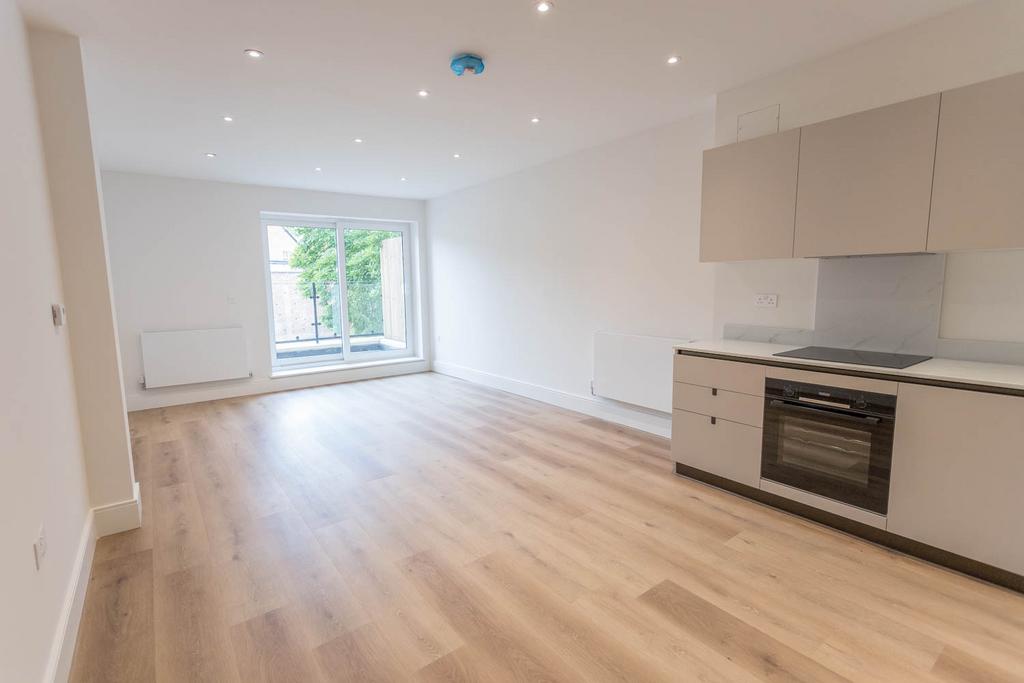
229	119
358	141
252	52
210	155
403	179
423	93
544	6
318	169
674	59
456	156
535	119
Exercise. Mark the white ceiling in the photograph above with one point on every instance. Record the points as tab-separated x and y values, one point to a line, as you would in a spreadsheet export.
162	74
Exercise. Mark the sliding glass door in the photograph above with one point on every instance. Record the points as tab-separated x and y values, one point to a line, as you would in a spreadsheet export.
338	291
375	290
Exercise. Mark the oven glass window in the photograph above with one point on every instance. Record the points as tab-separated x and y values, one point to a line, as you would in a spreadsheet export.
821	448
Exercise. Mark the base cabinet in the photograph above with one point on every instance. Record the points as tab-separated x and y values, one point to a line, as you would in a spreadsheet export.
958	473
727	449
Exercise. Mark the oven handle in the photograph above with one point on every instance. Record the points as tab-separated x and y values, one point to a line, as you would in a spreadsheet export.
823	402
841	413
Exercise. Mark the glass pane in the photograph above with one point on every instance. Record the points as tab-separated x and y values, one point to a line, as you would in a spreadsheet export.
375	274
305	292
842	453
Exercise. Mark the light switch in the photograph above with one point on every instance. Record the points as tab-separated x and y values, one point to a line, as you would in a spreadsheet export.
59	315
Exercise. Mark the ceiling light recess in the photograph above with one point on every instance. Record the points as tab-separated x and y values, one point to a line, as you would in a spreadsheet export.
544	6
229	119
252	52
456	156
423	93
535	119
357	140
674	59
210	155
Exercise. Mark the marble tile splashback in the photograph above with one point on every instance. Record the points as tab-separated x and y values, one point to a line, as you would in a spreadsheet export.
768	335
880	303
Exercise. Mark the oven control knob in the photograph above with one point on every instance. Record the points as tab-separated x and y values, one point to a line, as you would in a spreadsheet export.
861	403
789	392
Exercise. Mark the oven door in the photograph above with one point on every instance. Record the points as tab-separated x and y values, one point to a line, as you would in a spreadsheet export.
830	451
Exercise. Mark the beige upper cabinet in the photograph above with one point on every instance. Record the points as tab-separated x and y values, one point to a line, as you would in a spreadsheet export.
957	472
748	196
865	181
978	202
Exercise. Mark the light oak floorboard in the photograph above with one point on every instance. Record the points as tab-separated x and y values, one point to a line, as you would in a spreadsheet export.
427	529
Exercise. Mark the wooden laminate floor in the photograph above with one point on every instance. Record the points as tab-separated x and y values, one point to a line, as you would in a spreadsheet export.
423	528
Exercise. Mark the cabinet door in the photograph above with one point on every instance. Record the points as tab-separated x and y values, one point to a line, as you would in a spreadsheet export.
865	181
748	198
979	168
958	473
728	449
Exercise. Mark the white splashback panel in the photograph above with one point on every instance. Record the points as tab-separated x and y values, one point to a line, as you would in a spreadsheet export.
880	303
635	369
193	356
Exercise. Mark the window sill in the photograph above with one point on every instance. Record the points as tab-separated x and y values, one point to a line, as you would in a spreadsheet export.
341	367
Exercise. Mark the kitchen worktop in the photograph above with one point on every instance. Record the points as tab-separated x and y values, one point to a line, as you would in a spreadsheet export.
959	373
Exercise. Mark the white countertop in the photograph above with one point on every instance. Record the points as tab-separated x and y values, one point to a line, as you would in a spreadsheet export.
934	370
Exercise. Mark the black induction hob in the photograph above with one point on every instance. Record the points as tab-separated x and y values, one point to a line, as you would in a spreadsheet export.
855	357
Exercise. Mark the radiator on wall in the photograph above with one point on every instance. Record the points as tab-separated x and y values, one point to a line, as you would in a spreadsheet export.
192	356
634	369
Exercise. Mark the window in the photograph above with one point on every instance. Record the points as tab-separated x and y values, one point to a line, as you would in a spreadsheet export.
338	290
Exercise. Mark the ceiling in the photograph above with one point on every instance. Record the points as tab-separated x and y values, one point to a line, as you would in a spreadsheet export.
162	74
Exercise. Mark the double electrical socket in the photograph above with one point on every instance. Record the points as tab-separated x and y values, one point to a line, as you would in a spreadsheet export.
766	300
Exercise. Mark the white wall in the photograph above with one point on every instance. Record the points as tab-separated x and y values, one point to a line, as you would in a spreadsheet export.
78	221
42	478
976	43
187	254
526	268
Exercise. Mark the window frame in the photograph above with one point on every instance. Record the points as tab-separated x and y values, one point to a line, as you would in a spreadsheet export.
339	225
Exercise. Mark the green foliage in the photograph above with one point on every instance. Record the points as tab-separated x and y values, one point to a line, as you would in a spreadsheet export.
316	257
362	269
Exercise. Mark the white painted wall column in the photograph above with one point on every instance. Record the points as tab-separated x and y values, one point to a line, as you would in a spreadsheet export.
77	207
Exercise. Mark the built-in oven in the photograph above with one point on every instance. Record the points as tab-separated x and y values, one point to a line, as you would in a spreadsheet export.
829	441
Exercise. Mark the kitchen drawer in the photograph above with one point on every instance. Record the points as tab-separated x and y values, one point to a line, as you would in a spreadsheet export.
728	405
728	449
745	378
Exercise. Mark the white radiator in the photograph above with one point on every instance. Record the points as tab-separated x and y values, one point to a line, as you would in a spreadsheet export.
634	369
192	356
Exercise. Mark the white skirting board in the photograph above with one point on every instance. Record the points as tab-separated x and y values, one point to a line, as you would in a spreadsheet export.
181	357
62	651
117	517
635	369
649	421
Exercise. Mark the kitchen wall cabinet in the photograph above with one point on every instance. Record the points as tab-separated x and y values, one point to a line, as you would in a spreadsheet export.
937	173
957	473
977	202
865	181
748	198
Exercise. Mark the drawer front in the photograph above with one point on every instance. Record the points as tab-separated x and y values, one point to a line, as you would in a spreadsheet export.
728	405
728	449
745	378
